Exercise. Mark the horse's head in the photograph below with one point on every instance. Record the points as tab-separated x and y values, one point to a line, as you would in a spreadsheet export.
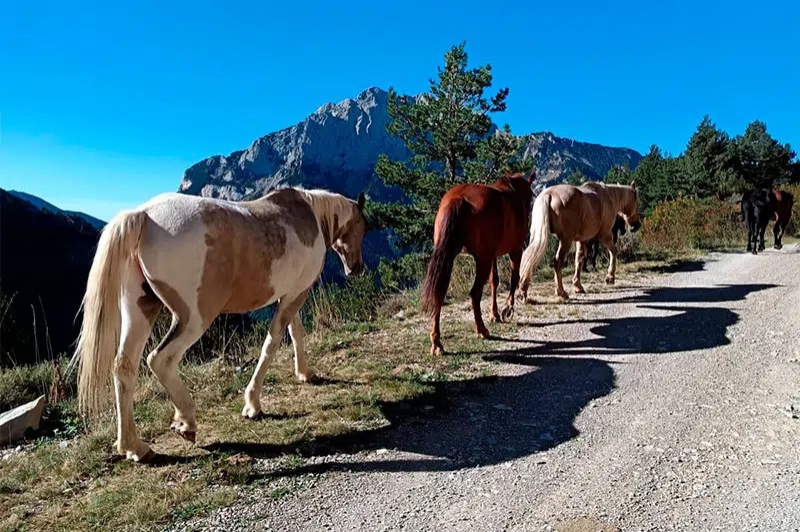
630	209
348	245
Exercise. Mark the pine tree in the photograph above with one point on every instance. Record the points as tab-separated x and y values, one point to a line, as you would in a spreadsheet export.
576	178
710	162
449	133
763	161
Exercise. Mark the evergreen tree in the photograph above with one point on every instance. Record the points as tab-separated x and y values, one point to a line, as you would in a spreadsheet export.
710	162
658	177
763	161
619	174
448	131
576	178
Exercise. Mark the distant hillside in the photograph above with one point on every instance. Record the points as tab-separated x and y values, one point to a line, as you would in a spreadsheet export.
45	256
337	146
49	207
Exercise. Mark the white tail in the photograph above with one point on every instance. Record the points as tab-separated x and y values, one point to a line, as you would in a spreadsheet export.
540	236
100	330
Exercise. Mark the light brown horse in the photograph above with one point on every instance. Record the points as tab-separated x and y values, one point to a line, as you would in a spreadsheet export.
485	221
577	214
200	257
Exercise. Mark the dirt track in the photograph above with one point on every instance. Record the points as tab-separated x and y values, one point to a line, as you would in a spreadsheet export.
661	407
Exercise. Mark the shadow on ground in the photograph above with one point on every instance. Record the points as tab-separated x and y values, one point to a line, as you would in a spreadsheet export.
465	424
493	420
689	294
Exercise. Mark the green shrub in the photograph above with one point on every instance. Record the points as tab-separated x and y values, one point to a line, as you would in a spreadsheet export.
685	224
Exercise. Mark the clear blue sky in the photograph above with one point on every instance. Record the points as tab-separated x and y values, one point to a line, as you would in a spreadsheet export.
104	105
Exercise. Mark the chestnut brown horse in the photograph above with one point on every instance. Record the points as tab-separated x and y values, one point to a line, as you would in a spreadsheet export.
784	201
577	214
486	222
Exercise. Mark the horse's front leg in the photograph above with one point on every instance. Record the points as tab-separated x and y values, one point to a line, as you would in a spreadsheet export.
302	370
580	264
494	281
561	258
516	259
288	308
608	242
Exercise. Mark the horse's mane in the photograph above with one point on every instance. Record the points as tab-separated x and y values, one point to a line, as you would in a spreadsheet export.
326	204
620	194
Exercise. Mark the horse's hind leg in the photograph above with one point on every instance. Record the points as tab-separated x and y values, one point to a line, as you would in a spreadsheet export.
187	327
288	308
139	309
777	232
561	257
580	264
482	271
494	280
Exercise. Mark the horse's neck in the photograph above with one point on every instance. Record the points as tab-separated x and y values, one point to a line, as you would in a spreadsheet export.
618	197
332	211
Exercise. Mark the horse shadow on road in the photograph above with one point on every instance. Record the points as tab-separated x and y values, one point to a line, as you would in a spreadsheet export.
463	424
493	420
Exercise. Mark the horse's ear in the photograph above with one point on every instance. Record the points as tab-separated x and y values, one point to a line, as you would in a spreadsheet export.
361	199
633	184
532	176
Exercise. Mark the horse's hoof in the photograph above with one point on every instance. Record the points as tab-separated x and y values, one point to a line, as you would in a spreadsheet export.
484	333
494	318
579	289
610	280
308	376
437	350
251	412
183	430
507	313
562	295
143	456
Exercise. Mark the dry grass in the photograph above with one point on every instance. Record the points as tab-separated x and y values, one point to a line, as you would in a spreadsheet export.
78	483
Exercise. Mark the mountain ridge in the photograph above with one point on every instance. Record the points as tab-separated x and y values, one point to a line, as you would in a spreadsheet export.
336	147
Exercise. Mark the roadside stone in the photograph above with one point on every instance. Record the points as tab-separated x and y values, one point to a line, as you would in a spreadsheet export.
16	421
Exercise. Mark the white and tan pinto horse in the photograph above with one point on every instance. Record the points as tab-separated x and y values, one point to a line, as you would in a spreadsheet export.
200	257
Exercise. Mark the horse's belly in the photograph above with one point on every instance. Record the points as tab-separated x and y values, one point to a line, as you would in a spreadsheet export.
287	275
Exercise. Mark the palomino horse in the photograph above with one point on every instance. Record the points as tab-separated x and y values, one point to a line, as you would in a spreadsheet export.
485	221
577	214
758	207
593	245
201	257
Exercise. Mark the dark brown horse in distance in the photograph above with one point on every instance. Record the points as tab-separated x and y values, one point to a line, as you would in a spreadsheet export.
486	222
761	205
577	214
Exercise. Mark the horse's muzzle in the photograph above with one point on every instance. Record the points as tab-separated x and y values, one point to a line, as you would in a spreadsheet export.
357	269
635	226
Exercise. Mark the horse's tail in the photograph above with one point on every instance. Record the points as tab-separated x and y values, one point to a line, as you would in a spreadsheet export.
100	330
540	236
445	251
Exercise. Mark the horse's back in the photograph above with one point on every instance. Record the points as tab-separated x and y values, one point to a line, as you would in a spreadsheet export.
236	256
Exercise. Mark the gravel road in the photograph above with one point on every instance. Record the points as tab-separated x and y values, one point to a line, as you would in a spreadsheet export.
669	404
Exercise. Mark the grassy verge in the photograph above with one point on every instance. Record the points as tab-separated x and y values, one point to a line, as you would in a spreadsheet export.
373	358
